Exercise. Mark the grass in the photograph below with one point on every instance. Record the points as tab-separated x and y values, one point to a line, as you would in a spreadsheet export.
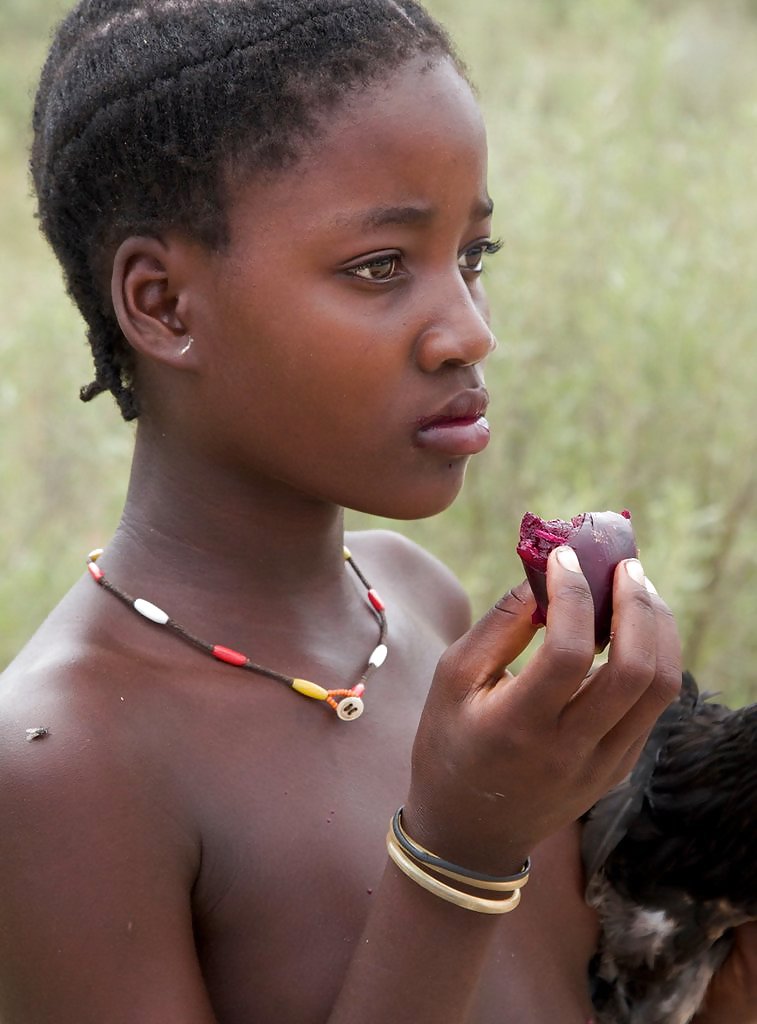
623	135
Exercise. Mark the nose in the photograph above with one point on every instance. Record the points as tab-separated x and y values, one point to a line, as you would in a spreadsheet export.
458	334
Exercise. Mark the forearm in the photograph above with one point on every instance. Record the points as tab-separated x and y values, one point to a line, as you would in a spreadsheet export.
420	961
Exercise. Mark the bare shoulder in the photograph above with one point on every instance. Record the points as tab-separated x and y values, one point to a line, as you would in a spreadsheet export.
67	734
97	856
74	725
426	587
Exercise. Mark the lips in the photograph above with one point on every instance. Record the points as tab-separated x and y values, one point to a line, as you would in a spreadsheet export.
466	407
459	428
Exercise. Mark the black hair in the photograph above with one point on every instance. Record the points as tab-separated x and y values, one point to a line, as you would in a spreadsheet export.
145	107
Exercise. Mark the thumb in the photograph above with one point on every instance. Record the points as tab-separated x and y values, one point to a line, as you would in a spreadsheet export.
481	656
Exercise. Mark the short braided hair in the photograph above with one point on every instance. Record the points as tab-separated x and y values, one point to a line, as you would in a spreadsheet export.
145	107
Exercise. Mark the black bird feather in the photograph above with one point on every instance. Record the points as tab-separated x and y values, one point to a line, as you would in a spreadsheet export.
670	857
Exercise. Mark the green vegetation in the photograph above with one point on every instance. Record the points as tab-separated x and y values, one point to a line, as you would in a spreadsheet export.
623	137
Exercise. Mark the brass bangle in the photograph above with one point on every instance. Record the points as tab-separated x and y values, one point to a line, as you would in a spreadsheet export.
440	866
445	892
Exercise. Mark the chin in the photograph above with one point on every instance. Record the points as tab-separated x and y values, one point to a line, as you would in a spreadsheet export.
420	499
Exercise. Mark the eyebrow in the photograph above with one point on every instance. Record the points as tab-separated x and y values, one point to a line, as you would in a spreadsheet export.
381	216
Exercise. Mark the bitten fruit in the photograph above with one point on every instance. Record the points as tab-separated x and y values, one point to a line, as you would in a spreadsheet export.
600	540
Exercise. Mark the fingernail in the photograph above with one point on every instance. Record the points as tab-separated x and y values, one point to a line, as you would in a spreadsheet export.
634	570
567	558
650	585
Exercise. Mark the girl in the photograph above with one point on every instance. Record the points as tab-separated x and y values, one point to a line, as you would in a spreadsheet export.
273	217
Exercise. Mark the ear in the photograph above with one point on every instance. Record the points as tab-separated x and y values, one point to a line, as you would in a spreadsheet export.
148	303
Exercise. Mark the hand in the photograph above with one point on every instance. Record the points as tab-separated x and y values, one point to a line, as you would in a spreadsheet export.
500	761
732	995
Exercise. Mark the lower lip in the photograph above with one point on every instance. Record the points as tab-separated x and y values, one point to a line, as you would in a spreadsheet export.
455	437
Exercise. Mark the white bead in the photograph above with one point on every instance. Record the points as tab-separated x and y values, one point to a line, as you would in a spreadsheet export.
151	611
378	657
350	708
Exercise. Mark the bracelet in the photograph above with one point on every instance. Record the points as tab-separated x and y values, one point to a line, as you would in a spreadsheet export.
438	888
419	854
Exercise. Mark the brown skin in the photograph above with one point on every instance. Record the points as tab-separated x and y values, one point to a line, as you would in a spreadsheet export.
192	843
733	991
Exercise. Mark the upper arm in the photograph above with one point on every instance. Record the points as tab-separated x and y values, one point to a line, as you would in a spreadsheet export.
95	917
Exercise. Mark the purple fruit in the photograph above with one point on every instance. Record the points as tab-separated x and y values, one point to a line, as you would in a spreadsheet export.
600	539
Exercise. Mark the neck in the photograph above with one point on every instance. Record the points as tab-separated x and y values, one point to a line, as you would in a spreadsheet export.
247	540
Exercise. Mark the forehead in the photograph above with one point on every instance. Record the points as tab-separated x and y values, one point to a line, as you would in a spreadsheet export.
416	139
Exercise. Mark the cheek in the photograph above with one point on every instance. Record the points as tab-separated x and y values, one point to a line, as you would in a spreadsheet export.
316	363
289	396
319	359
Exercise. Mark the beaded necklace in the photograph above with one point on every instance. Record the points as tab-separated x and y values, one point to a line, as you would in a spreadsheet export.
348	704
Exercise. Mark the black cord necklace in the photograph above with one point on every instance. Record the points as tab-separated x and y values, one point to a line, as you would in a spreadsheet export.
347	703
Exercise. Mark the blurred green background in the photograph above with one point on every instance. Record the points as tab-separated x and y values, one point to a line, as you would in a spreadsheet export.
624	169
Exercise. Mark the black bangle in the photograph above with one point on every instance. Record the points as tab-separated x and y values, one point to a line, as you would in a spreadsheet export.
476	878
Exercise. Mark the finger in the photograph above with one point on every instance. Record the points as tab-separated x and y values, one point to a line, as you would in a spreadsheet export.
669	656
622	760
662	690
480	657
609	693
560	665
623	699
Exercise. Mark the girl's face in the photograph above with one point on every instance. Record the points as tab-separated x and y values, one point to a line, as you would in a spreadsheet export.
343	330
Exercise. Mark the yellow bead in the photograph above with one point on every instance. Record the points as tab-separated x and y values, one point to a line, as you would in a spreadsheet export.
347	553
94	555
308	689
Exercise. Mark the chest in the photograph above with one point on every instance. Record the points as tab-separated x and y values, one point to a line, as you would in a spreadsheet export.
293	808
294	867
293	853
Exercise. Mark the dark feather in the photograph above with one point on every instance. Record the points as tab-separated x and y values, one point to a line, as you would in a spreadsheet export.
670	859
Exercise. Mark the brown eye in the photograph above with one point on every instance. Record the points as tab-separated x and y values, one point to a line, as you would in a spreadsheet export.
381	269
472	260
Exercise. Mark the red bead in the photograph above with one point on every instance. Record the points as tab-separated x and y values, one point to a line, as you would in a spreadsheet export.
95	572
228	655
375	600
359	690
